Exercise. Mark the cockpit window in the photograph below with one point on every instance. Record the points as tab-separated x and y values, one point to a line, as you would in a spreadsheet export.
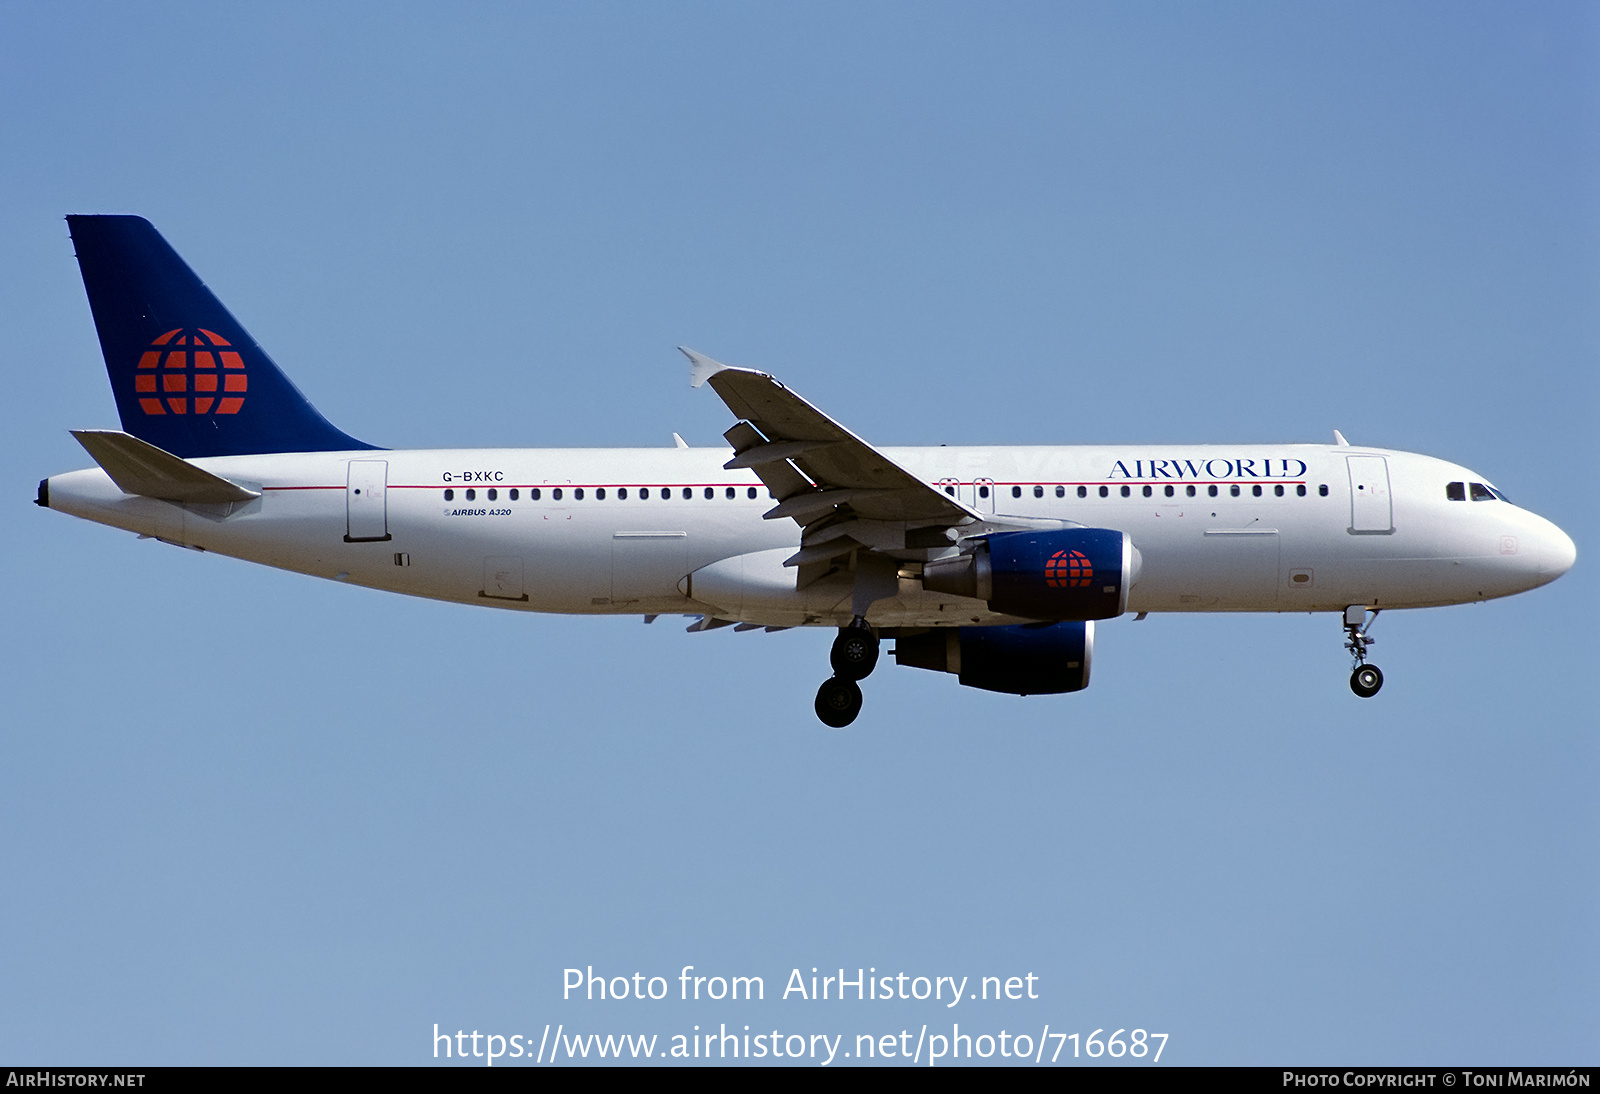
1481	492
1456	491
1501	494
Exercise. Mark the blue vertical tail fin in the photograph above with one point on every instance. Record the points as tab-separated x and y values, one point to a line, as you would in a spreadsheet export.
187	377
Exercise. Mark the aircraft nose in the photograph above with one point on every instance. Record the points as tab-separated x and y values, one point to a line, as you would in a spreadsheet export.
1548	551
1560	552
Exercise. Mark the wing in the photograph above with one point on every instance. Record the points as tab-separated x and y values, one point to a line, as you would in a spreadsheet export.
845	494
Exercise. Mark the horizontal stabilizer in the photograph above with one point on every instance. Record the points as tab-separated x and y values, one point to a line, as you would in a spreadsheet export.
138	467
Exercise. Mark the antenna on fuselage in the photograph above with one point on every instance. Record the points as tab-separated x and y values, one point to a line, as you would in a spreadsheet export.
1338	439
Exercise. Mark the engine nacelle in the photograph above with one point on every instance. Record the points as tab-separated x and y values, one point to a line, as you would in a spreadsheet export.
1070	574
1031	659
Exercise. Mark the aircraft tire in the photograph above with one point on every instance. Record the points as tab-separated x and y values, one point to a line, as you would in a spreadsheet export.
838	702
1366	680
855	653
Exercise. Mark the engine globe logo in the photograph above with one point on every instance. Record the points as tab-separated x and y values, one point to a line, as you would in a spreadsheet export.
1068	570
181	367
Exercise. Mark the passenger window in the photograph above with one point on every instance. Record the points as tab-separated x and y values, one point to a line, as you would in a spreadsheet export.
1256	490
556	494
688	493
1234	490
534	493
1016	491
1481	492
1083	491
1127	492
493	493
1170	491
514	493
950	490
1455	491
1148	491
644	493
599	493
710	493
1278	490
1105	491
449	495
1301	490
577	494
1038	491
622	493
1212	490
1061	491
983	491
1322	491
472	495
1189	490
730	493
751	493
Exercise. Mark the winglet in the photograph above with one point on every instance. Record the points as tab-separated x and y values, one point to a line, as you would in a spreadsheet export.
701	367
1338	439
139	467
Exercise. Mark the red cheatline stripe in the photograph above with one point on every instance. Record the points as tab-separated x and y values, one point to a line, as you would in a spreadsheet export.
1157	482
743	485
565	486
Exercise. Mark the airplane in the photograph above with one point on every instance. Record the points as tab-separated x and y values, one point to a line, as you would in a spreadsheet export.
989	563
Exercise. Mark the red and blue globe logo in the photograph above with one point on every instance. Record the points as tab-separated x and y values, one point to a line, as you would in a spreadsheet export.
190	371
1068	570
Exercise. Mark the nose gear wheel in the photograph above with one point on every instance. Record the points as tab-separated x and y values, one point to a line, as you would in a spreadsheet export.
1366	681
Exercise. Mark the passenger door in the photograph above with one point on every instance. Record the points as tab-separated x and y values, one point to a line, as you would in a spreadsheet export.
1371	508
366	502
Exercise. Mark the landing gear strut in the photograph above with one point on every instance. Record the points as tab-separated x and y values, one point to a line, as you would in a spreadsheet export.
1366	679
854	656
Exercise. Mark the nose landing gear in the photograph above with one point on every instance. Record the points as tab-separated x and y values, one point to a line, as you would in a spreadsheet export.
1366	679
854	656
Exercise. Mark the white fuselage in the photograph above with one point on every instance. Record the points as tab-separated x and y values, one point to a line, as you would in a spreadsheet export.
1218	528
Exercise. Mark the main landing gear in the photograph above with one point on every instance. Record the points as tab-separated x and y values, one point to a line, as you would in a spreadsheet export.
854	656
1366	679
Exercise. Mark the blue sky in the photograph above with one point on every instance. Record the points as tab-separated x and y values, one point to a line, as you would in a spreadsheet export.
251	817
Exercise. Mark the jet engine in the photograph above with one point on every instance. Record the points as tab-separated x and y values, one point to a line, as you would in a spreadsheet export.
1031	659
1070	574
